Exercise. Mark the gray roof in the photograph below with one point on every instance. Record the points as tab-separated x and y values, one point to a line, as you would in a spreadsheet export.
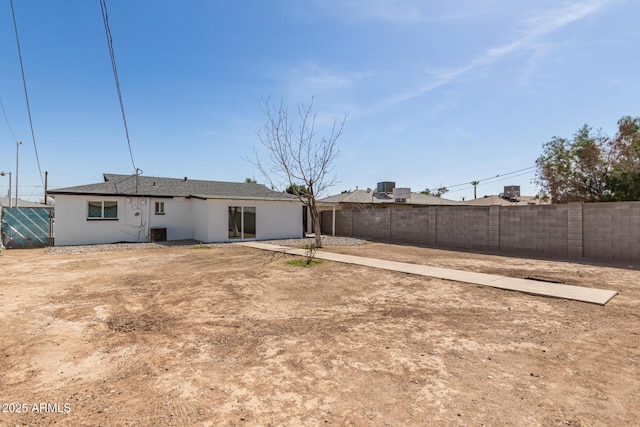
497	200
370	196
146	186
4	202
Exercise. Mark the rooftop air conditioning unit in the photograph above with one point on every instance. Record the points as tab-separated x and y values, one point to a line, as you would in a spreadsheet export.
386	187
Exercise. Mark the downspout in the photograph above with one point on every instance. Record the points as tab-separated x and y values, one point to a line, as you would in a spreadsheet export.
147	225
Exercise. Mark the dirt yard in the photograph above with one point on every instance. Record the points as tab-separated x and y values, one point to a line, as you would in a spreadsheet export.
232	336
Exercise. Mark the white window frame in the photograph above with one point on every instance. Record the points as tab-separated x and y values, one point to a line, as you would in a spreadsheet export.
159	208
101	217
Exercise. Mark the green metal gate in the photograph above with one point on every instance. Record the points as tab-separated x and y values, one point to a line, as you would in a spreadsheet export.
26	227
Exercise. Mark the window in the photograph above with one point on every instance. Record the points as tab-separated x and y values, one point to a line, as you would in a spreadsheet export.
102	210
242	222
159	208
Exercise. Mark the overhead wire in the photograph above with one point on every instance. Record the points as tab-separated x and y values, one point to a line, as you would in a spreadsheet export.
4	113
105	20
507	175
493	181
26	94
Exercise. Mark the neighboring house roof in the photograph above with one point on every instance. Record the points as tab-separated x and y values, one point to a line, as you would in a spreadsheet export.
497	200
370	196
4	202
146	186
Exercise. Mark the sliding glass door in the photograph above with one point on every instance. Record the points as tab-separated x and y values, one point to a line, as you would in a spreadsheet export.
242	222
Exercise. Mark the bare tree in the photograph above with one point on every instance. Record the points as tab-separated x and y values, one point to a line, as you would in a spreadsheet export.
295	158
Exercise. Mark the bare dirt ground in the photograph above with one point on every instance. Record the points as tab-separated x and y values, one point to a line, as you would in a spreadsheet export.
233	336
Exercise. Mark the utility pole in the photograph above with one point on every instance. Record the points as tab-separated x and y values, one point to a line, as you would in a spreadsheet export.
18	144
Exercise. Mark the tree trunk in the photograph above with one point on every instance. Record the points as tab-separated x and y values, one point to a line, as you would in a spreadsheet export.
316	230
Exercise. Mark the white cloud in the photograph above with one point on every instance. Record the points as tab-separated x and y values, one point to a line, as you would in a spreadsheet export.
313	79
395	11
535	27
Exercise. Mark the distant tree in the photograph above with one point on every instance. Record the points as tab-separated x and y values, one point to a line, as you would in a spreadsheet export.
437	192
250	181
440	191
474	183
575	169
297	190
294	156
624	178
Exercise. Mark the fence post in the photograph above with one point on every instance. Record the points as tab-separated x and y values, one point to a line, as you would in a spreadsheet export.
574	230
494	227
431	228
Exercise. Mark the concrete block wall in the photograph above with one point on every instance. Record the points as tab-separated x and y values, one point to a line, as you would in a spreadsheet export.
599	231
374	223
611	231
410	225
534	229
343	222
465	227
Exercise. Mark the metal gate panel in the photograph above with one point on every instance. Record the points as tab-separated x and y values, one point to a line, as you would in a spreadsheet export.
25	227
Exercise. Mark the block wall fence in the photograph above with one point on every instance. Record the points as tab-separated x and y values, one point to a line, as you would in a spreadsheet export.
597	231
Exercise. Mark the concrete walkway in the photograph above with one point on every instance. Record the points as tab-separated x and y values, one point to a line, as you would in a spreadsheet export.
576	293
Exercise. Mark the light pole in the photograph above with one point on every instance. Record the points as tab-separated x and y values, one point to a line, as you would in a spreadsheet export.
3	173
18	144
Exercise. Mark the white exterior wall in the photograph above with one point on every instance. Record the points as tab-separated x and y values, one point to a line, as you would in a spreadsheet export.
178	217
278	220
73	228
274	220
201	223
205	220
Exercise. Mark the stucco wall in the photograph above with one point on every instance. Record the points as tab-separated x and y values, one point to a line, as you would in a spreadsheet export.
178	218
73	228
274	220
205	220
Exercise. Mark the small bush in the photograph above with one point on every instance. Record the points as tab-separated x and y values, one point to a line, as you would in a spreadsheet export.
303	263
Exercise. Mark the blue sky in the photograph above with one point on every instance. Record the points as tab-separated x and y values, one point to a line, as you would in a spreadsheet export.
436	92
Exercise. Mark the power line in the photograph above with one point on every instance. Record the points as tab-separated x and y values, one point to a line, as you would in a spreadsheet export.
4	113
506	175
26	95
105	20
493	181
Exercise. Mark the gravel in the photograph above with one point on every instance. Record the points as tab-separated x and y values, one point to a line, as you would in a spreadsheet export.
326	240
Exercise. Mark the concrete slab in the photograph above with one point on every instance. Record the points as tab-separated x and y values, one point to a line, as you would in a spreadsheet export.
576	293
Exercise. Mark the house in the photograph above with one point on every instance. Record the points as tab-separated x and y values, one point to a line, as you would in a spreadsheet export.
504	201
134	208
384	196
370	198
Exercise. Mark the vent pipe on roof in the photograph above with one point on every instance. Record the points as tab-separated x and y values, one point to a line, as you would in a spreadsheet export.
185	179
